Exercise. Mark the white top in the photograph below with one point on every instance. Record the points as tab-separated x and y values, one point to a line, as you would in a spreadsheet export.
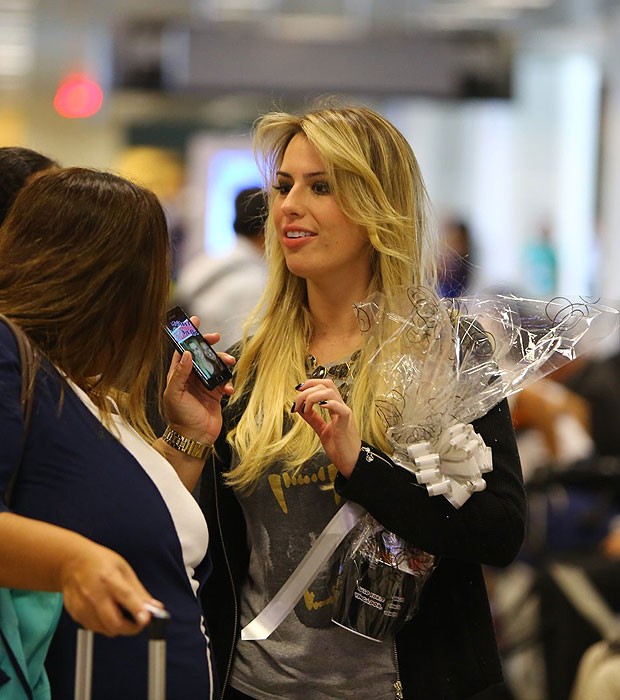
222	291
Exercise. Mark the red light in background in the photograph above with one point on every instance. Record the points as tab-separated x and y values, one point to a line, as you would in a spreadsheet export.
78	96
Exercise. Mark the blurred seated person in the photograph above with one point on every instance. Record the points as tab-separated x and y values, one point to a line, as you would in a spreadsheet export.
223	290
455	264
553	426
573	514
597	380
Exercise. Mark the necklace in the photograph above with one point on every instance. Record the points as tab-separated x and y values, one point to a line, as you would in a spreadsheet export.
341	373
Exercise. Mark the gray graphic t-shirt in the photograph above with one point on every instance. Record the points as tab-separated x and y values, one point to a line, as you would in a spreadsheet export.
307	656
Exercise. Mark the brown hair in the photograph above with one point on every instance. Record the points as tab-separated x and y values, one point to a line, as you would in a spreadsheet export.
85	273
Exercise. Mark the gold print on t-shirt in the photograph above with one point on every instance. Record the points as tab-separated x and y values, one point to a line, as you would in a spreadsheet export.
279	482
313	604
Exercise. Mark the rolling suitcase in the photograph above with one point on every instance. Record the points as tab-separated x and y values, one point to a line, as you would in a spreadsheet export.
156	655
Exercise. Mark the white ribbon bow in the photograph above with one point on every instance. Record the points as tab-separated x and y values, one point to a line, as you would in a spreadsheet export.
451	466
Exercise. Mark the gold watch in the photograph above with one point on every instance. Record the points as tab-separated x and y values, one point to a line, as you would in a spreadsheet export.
190	447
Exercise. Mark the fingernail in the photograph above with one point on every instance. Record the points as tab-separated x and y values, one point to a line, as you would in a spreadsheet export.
157	611
322	403
298	387
293	408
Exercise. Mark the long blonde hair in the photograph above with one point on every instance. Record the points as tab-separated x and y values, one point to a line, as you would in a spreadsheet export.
85	273
375	178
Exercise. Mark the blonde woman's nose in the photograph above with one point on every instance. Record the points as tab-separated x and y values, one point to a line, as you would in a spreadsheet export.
292	203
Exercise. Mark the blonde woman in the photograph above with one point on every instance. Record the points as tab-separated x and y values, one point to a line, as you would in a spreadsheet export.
302	435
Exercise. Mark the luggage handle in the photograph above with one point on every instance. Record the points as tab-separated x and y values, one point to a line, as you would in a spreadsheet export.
156	656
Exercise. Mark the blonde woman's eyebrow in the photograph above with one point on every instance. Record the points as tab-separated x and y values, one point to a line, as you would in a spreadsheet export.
306	176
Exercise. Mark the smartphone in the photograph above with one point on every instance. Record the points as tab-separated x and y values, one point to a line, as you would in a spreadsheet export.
185	336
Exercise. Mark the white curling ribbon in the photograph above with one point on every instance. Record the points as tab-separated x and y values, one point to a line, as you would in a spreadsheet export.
428	461
440	488
484	458
488	461
425	475
417	449
460	440
479	484
292	590
458	494
471	447
452	466
459	437
466	468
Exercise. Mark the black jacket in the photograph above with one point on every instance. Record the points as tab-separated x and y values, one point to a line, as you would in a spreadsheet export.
448	650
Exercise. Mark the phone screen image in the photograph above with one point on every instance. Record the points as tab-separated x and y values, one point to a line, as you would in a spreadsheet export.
185	336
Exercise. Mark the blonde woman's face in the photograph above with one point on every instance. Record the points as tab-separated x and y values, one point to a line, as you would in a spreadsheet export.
318	240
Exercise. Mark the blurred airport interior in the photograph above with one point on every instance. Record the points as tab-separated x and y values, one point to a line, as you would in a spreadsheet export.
510	105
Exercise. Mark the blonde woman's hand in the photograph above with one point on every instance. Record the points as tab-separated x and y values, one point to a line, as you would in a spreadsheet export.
190	408
320	404
102	593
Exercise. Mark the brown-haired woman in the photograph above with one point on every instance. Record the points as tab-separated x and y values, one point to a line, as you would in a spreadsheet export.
101	510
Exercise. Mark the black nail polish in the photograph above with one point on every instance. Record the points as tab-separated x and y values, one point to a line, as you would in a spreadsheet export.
293	408
322	403
298	387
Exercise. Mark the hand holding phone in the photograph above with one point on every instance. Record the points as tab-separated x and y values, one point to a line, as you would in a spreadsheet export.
185	336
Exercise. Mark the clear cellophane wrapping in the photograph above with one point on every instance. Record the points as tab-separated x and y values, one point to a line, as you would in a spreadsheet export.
441	364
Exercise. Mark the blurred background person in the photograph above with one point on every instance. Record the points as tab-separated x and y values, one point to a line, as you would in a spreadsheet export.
597	381
223	290
540	263
553	426
17	167
455	268
568	441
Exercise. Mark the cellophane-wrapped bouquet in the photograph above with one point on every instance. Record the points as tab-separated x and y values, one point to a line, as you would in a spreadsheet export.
380	580
442	363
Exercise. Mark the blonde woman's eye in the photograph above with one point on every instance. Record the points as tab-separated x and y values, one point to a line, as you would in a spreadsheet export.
321	188
282	188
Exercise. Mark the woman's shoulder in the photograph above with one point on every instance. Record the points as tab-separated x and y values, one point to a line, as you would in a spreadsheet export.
8	345
5	332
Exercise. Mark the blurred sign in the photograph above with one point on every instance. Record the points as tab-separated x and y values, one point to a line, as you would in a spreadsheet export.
241	57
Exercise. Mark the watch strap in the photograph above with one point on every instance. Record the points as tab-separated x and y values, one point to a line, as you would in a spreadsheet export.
193	448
